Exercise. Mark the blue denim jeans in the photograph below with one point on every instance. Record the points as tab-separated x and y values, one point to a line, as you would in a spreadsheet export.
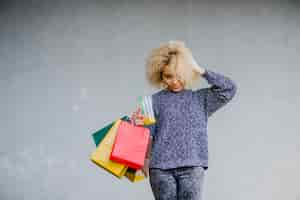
183	183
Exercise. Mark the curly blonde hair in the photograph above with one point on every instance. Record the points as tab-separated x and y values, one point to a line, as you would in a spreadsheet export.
178	57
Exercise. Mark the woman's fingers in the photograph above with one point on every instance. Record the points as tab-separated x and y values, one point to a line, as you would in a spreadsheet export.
137	117
139	122
133	117
138	114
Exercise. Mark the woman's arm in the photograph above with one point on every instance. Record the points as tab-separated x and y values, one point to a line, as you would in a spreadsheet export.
138	119
221	91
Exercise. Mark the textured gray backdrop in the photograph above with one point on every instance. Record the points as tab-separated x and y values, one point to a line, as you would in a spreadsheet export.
70	67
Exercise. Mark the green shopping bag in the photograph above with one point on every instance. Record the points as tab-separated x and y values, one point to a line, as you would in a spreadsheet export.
99	135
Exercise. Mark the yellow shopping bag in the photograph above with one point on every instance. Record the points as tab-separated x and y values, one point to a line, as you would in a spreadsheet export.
134	175
102	153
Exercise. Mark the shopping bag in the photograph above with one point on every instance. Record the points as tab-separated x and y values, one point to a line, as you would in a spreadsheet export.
131	174
134	175
100	134
101	156
131	144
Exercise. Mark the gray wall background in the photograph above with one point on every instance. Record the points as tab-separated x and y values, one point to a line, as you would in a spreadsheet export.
70	67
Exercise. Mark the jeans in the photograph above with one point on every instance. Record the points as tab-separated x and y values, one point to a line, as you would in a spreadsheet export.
183	183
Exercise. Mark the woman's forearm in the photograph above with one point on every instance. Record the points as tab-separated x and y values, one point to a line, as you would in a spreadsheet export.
222	85
148	153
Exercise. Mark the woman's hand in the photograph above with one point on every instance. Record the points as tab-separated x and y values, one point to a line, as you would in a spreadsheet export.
137	118
200	70
197	67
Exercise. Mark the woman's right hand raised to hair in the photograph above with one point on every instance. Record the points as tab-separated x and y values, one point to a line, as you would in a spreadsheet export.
137	118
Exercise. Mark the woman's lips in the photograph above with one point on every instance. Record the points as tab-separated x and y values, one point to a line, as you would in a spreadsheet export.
176	88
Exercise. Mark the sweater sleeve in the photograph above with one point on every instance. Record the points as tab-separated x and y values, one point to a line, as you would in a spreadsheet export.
221	91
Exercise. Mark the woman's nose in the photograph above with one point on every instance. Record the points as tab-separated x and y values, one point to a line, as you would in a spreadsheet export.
174	81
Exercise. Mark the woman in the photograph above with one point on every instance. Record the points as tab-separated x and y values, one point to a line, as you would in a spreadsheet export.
178	152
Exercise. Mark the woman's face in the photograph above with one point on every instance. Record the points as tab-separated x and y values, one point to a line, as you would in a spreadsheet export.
170	79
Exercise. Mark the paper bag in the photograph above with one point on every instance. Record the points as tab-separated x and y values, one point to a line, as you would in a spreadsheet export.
130	146
101	156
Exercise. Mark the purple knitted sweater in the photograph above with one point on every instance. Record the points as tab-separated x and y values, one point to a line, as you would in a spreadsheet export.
180	133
